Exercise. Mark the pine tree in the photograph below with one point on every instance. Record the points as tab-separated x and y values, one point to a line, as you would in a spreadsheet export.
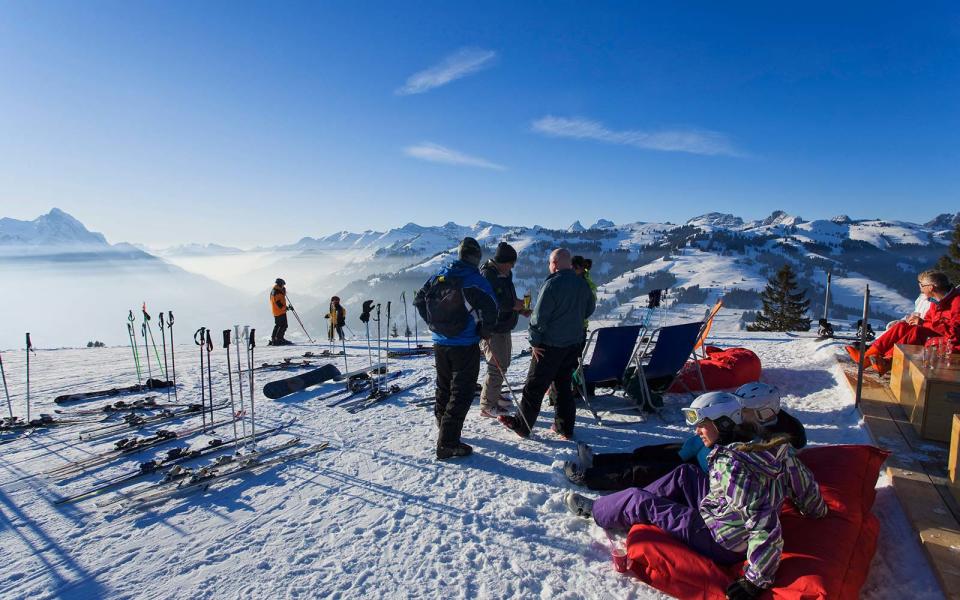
949	263
394	332
784	309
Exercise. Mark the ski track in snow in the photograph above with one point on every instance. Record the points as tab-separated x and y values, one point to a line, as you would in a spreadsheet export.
374	515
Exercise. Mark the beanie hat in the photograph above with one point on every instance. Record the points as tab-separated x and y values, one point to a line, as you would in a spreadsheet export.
505	253
469	251
280	281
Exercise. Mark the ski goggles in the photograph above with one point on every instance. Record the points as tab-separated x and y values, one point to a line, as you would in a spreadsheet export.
693	416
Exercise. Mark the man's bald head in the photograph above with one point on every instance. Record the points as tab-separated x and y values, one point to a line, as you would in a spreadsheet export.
560	259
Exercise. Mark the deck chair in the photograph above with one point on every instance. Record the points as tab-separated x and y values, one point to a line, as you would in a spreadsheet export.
614	349
707	325
673	347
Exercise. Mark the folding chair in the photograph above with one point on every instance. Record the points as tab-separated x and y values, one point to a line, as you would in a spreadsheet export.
673	347
705	331
614	348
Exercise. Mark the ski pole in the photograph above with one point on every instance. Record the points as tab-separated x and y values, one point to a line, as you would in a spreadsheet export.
379	355
133	344
386	364
251	344
209	374
416	333
29	350
198	337
243	405
173	360
297	317
146	320
5	390
513	397
233	407
406	322
343	345
163	339
146	349
136	361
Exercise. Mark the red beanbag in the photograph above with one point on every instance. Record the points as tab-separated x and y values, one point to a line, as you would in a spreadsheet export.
822	558
722	369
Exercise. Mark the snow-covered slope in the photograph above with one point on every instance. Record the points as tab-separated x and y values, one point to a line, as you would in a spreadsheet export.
55	229
375	516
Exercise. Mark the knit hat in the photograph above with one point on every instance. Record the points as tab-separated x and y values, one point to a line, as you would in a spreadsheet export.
505	253
280	281
469	251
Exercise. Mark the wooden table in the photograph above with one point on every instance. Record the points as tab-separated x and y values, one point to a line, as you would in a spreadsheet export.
930	397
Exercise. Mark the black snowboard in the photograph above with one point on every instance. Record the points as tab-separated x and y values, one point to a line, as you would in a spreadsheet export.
152	384
291	385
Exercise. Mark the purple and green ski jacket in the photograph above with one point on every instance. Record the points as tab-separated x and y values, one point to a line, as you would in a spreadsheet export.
742	508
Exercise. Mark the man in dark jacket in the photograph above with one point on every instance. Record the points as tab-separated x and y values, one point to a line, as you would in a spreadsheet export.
556	333
498	347
458	356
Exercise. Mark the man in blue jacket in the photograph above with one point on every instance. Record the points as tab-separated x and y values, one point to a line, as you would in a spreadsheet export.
556	334
458	356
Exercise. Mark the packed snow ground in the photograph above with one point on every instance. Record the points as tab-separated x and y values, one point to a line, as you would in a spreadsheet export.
374	516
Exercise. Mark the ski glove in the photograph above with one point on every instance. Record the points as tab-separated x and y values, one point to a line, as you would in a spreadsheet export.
742	589
289	307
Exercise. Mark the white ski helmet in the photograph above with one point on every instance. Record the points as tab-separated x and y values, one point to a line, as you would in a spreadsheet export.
762	398
714	406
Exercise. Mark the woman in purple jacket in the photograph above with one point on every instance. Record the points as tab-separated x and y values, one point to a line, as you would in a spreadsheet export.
732	512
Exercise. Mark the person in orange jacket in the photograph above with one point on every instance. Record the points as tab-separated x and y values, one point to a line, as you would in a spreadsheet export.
941	320
279	305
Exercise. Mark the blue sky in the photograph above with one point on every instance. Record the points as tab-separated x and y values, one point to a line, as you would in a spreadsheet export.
257	123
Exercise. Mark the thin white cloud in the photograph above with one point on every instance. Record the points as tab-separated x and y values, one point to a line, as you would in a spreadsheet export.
461	63
441	154
693	141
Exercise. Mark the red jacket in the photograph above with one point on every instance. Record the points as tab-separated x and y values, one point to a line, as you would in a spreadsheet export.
944	317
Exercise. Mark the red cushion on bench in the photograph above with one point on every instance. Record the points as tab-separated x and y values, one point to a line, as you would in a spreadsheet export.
722	369
822	558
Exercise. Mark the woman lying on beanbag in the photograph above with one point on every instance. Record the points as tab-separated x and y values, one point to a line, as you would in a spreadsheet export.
620	470
731	513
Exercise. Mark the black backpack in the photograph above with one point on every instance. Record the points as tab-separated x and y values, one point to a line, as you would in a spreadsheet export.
441	305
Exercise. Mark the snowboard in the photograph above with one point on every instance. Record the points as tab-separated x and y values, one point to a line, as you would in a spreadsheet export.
410	352
298	383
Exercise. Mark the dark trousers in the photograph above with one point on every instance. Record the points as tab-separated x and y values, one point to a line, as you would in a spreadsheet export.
622	470
279	327
458	368
556	367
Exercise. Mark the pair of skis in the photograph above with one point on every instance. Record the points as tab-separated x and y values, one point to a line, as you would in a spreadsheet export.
172	457
380	394
179	482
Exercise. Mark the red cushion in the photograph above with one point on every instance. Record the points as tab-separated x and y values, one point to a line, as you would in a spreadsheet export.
722	369
822	558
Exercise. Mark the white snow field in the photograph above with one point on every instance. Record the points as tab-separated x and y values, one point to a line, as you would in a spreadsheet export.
374	516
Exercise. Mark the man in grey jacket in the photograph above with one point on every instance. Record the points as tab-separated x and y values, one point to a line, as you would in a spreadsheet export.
556	333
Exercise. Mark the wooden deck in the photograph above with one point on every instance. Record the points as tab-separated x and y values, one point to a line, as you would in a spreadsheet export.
918	470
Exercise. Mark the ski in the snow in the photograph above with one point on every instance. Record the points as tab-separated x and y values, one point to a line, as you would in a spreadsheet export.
134	421
125	446
152	384
161	465
202	479
379	395
356	386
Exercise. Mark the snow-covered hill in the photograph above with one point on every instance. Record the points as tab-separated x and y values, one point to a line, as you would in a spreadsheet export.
708	256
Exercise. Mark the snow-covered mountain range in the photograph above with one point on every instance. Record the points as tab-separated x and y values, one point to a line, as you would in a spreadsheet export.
708	256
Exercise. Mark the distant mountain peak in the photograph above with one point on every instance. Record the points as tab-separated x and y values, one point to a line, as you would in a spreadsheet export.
842	220
716	219
943	221
603	224
576	227
56	228
779	217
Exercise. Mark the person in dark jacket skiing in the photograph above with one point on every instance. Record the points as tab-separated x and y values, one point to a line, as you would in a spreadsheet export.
457	356
498	347
732	512
338	318
556	333
760	406
279	305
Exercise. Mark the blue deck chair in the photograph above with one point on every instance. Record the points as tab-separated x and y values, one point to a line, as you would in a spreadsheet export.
673	347
614	348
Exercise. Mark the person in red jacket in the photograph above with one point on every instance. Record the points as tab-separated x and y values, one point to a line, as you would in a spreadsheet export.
941	320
